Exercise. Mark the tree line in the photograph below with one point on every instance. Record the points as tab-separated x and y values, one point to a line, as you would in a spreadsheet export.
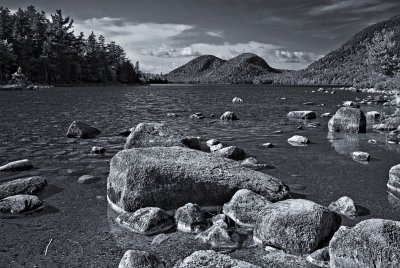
49	52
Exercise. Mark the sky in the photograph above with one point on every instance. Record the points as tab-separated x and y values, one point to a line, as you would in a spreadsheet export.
165	34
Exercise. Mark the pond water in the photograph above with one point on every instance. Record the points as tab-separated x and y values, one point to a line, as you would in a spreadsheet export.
33	125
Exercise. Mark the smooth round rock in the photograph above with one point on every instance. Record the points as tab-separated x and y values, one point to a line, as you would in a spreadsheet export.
229	116
20	203
23	164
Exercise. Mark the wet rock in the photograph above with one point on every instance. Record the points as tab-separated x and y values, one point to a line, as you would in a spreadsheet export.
20	203
82	130
361	156
218	236
268	145
98	150
344	206
155	134
143	259
371	243
212	259
348	120
252	163
190	218
171	115
244	207
393	136
394	179
212	142
216	147
28	186
197	116
237	100
159	239
319	257
297	226
351	104
231	152
298	140
326	115
229	116
17	165
169	177
147	221
302	115
88	179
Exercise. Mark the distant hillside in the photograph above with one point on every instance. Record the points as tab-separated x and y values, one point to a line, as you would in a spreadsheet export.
351	63
210	69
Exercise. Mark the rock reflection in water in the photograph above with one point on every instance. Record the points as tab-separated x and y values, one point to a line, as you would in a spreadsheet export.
344	143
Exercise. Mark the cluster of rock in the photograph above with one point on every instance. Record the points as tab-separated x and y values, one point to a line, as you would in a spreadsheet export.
19	196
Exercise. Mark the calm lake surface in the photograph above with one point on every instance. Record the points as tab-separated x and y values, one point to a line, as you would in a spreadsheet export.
33	125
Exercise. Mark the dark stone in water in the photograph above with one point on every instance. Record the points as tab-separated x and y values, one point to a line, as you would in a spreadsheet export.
82	130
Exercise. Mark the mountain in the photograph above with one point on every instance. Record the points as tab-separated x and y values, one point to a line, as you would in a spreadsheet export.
362	61
210	69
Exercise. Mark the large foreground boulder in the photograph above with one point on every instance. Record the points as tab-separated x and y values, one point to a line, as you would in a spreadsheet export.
20	203
302	115
31	186
143	259
156	134
82	130
170	177
297	226
348	120
371	243
212	259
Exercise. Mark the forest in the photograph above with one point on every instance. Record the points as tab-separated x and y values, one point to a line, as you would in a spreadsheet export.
49	52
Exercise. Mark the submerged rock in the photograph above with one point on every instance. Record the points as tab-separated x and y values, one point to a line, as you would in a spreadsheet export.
197	116
136	258
190	218
169	177
218	236
20	203
156	134
82	130
297	226
17	165
88	179
212	259
28	186
244	207
371	243
344	206
302	115
361	156
320	257
237	100
298	140
147	221
229	116
231	152
252	163
348	120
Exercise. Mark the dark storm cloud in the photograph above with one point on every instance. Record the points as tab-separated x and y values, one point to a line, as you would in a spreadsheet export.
165	34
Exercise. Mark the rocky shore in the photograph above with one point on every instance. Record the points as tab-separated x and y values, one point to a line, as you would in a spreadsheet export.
167	188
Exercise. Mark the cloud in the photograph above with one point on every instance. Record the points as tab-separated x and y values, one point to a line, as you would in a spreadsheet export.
166	51
215	33
296	57
352	6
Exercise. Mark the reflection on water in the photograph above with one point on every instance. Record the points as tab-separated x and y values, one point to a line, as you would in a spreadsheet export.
344	143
